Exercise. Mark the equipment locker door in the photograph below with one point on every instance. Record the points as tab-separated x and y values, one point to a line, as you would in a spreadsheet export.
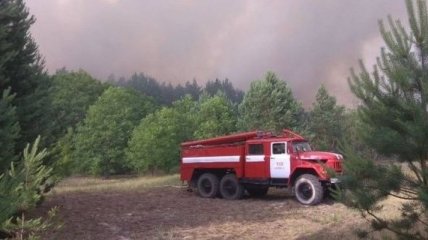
255	161
279	160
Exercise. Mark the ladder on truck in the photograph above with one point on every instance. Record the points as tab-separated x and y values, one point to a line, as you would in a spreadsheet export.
239	137
228	139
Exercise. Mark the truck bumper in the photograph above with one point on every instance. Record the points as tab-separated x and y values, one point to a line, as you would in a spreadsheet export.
334	180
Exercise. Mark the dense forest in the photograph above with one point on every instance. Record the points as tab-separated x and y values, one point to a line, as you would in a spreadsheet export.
56	125
70	123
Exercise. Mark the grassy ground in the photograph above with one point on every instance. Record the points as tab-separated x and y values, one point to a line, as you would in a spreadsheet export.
161	208
90	184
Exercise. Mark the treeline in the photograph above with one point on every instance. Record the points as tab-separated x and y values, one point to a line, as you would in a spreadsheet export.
25	113
136	125
122	127
70	123
166	94
127	128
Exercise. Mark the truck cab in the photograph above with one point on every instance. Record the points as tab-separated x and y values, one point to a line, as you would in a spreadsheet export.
252	162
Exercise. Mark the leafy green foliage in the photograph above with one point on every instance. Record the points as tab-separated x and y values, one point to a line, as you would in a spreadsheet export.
215	117
326	121
71	94
155	143
102	137
64	151
394	117
269	105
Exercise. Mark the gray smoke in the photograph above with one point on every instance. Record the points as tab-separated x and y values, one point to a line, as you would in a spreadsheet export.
306	42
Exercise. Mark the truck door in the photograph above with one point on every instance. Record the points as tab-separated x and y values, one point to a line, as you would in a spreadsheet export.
279	160
255	161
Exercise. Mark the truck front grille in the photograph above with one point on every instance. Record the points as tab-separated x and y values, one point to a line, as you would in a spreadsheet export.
338	166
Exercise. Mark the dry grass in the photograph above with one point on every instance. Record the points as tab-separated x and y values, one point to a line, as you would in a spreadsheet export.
325	221
159	207
91	184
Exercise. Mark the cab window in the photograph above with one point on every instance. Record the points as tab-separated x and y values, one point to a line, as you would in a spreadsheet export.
301	147
278	148
255	149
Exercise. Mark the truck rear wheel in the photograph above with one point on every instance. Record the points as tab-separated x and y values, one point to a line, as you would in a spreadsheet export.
257	191
230	188
309	190
208	185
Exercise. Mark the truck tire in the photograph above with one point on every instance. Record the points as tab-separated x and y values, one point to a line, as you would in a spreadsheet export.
257	191
230	188
208	185
308	189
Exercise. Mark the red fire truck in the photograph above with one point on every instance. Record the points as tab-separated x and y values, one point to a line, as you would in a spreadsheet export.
254	161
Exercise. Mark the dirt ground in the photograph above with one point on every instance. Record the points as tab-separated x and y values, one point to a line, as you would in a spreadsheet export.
171	212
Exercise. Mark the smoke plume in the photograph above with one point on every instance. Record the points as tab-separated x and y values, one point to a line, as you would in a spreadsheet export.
306	42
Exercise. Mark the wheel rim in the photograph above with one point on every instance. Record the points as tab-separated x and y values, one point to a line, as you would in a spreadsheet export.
229	187
305	191
206	186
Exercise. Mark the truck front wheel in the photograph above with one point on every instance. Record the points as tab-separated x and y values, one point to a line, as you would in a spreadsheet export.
309	190
230	188
208	185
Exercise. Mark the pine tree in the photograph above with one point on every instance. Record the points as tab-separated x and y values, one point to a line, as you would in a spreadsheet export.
326	121
192	89
225	86
353	127
23	116
9	130
22	187
269	105
394	113
21	68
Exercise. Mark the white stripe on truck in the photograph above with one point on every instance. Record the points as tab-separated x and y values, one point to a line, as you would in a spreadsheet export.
257	158
211	159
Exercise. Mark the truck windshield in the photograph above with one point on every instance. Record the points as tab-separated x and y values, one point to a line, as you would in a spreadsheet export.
301	147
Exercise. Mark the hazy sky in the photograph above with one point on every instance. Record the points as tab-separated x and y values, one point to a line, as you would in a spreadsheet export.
306	42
